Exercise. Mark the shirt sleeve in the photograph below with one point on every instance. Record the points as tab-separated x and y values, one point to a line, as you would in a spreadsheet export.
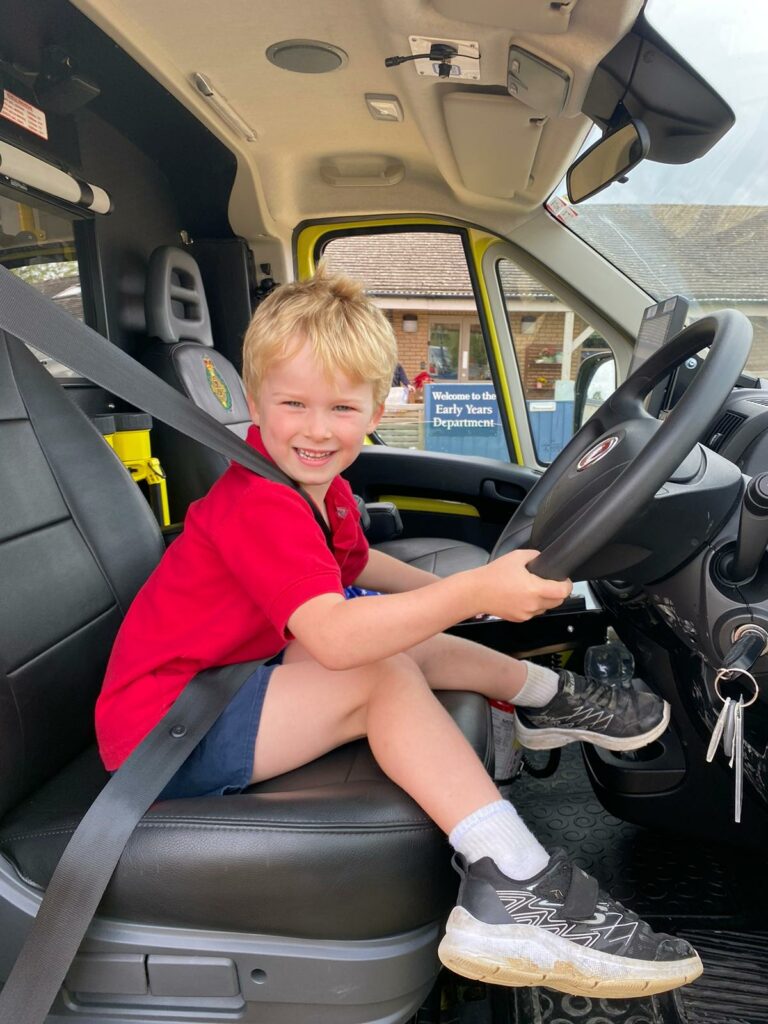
276	551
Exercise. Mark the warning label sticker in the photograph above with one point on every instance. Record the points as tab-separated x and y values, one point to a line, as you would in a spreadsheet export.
24	114
559	207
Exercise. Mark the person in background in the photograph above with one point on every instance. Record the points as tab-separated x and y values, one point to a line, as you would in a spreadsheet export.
400	378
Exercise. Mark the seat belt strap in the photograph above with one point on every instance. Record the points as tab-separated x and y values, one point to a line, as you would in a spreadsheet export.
86	866
39	322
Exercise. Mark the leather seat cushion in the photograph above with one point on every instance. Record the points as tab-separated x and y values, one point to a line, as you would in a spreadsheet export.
435	554
333	850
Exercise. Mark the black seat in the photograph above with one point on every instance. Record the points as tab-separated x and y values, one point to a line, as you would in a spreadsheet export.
315	896
181	351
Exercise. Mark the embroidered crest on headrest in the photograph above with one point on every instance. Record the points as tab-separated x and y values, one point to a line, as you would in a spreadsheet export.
217	384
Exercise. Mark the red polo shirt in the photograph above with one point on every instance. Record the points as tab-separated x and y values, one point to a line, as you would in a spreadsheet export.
251	553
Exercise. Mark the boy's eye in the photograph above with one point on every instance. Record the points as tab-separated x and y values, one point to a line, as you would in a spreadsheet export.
345	408
293	403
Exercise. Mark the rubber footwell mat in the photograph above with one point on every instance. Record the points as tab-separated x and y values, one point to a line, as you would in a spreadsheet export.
672	882
734	986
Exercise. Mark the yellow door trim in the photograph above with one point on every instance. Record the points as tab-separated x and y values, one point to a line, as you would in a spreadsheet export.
479	244
439	506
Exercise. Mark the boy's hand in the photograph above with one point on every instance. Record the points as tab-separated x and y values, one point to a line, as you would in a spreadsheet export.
515	594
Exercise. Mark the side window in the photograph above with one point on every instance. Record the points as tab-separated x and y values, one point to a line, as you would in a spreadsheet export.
442	396
558	354
39	247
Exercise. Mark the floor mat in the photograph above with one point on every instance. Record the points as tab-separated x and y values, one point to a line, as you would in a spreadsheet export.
664	878
734	986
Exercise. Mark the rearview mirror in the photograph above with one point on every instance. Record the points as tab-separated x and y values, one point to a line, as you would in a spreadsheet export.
609	159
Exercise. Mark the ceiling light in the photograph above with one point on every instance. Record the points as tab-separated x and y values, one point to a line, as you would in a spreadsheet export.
217	103
307	56
384	108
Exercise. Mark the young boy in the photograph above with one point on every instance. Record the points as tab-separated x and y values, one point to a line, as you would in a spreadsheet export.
253	577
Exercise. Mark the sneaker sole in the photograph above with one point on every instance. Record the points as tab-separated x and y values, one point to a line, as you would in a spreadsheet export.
548	739
525	955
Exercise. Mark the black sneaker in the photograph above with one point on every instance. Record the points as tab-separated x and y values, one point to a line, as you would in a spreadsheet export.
558	930
608	716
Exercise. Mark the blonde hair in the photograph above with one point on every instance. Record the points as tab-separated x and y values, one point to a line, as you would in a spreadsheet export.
344	329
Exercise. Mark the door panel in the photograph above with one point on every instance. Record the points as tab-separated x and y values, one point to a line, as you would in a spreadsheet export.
479	495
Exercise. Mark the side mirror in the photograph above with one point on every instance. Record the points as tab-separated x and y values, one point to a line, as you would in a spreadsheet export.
595	382
609	159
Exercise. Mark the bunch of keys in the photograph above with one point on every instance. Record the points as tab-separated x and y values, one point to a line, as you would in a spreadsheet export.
749	645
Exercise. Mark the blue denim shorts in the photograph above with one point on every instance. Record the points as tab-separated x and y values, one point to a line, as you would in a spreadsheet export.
222	762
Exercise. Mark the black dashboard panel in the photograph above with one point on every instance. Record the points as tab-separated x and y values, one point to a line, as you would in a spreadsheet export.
740	432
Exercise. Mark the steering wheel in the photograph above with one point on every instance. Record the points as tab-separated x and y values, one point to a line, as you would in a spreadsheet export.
614	465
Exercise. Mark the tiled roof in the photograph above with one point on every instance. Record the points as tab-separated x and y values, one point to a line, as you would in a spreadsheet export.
417	264
66	293
714	253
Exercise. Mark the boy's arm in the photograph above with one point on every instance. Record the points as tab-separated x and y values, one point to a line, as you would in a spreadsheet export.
345	634
383	572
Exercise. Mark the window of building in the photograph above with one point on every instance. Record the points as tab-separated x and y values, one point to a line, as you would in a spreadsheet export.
421	280
38	246
457	350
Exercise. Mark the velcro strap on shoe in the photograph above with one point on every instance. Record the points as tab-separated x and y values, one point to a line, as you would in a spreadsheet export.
581	900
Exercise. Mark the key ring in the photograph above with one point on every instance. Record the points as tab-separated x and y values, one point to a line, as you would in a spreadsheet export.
736	671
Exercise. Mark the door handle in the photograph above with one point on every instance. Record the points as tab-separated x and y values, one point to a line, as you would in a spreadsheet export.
497	490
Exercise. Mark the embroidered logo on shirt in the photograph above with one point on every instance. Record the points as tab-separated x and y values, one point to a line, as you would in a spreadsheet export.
341	512
217	384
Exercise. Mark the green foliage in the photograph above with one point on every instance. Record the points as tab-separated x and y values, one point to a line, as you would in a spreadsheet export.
47	271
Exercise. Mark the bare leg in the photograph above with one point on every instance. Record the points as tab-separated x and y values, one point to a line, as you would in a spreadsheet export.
453	663
309	710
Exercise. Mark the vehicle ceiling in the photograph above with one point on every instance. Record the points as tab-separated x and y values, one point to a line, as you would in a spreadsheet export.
306	123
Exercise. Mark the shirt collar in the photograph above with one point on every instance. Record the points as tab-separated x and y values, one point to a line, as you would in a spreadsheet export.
253	438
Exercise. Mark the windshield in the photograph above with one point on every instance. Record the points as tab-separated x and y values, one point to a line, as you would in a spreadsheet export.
701	229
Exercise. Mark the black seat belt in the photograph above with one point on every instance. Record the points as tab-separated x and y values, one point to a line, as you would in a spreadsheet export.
90	858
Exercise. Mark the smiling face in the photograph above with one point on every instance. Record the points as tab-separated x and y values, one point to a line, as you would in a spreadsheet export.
312	426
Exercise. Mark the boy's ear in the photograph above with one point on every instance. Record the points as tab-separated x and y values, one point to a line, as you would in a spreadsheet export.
378	412
252	409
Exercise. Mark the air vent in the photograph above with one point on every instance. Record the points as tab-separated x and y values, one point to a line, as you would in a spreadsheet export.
725	426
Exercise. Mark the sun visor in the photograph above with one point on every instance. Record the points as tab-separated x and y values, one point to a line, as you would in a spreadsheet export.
30	172
494	139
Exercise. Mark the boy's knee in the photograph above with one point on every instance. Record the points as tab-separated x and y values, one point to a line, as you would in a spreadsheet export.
400	670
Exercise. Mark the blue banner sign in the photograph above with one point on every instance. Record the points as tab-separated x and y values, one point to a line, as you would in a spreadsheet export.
463	418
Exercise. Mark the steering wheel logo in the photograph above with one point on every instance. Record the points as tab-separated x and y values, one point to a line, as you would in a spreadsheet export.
597	452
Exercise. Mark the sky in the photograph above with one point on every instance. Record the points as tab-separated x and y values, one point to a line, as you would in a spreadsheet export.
726	41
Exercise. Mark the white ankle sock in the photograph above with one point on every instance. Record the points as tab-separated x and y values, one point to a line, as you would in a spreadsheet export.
497	831
539	688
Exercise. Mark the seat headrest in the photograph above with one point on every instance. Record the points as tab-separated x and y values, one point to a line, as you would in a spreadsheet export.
174	300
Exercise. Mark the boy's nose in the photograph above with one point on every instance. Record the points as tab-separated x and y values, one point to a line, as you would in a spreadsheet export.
317	426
